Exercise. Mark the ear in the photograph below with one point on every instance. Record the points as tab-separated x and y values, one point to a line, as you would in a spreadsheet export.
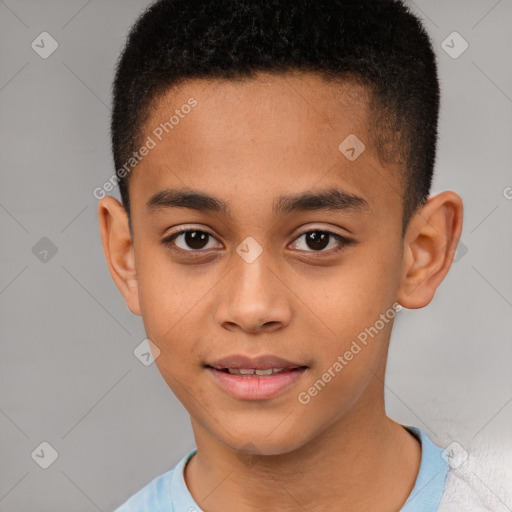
430	243
118	248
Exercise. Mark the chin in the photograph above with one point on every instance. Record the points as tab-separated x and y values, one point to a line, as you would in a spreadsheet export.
258	442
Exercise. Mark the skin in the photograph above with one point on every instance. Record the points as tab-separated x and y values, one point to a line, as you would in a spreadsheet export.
247	143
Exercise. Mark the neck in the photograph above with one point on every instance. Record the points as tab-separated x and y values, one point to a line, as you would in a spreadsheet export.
366	462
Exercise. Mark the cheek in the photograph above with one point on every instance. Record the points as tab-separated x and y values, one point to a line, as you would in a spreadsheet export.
166	304
351	296
349	366
345	309
165	291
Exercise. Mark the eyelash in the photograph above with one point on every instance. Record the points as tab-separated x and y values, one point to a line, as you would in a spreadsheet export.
345	242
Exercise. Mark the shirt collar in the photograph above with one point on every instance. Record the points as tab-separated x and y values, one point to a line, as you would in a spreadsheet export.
425	495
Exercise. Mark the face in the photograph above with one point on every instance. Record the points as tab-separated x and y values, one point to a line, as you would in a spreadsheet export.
262	270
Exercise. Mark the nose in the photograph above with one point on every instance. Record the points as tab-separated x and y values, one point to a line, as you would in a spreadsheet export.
254	298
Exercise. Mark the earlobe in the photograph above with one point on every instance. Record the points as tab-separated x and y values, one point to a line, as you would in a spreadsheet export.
430	244
118	249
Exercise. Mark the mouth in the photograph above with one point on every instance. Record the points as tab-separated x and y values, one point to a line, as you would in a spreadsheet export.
253	371
257	378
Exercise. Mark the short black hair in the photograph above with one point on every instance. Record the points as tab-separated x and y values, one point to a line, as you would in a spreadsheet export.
379	43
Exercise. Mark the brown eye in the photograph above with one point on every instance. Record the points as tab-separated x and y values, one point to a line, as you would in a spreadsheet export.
317	240
190	240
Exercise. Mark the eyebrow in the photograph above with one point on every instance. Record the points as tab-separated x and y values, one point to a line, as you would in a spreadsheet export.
331	199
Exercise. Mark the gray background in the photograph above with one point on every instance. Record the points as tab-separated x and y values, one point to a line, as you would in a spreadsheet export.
68	375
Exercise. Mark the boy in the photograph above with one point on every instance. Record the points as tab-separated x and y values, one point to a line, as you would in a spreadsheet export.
275	160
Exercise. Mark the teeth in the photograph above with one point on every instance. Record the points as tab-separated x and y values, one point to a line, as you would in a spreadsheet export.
252	371
270	371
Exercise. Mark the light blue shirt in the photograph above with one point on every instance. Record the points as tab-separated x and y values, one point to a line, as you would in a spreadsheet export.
169	493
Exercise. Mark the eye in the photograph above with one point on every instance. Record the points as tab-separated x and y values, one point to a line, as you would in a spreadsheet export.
319	239
192	240
195	240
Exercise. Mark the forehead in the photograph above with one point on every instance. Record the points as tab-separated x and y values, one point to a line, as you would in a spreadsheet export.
280	110
263	137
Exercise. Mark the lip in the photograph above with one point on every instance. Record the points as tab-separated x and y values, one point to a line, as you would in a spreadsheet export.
255	387
263	362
